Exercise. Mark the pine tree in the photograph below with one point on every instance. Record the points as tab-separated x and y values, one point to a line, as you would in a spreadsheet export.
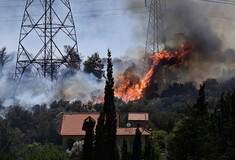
73	58
137	145
94	65
124	150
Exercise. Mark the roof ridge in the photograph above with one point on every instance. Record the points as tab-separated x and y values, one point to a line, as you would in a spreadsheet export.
74	113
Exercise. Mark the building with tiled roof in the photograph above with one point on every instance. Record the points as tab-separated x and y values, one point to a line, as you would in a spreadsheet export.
71	129
138	119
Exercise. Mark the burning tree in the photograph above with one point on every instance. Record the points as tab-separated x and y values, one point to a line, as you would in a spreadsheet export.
130	90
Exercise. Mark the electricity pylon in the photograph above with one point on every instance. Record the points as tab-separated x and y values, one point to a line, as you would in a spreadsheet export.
44	33
155	41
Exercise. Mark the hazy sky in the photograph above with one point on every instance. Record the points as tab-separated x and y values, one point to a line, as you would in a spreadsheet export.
102	24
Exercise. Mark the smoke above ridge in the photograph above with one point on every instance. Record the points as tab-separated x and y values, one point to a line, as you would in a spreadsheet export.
184	20
32	91
200	24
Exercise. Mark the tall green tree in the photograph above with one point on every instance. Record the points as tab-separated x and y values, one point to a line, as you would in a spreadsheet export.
200	109
137	145
107	123
94	65
99	138
192	139
124	150
149	149
110	113
224	124
88	125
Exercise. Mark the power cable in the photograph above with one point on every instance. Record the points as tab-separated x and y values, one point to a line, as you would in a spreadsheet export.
38	4
92	16
220	2
95	11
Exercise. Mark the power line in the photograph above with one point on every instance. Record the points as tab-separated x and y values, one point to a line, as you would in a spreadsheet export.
220	2
121	9
94	11
38	4
70	2
87	16
213	16
118	14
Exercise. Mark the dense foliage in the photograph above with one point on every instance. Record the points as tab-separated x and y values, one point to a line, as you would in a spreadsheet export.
72	57
185	130
203	136
94	65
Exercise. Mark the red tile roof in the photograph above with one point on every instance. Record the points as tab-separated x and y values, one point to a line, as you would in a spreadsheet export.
131	131
71	124
138	117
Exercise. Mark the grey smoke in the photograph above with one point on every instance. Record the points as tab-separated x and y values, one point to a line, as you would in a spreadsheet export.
198	23
35	90
213	56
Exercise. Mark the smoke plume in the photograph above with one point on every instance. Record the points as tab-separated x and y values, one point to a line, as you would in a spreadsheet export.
35	90
198	23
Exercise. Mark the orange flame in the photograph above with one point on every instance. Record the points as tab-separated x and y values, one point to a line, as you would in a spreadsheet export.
128	91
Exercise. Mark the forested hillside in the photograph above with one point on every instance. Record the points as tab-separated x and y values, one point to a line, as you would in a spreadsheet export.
196	127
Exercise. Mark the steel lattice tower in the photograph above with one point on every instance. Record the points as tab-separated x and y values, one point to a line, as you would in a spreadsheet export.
43	35
155	41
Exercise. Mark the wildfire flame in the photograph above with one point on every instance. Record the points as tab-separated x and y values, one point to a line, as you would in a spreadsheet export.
129	91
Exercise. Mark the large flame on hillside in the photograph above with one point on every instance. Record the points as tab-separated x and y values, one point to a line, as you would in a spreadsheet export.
130	91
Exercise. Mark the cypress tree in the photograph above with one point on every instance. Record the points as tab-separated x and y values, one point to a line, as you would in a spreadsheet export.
99	138
222	130
149	149
200	108
124	150
202	124
105	145
137	145
89	138
110	113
